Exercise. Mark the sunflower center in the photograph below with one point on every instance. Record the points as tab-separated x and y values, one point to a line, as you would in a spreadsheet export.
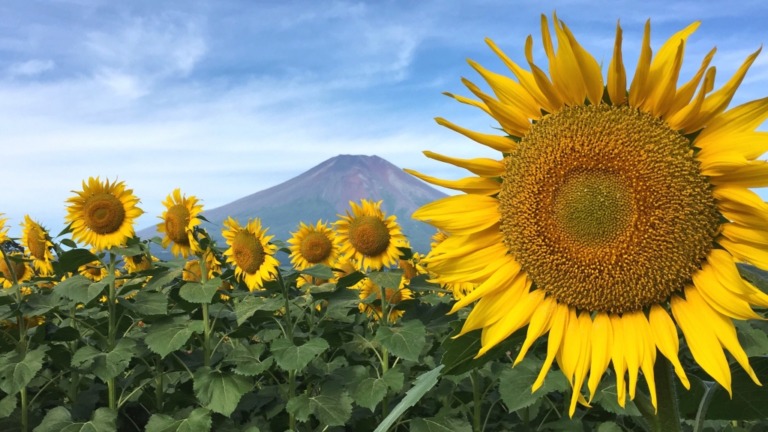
606	208
176	221
315	247
103	213
592	207
248	252
369	235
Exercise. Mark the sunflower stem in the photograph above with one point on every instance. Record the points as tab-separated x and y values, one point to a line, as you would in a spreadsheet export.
22	345
289	334
112	329
206	321
667	417
477	399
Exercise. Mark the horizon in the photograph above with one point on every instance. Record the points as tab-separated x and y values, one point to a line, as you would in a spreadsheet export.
191	94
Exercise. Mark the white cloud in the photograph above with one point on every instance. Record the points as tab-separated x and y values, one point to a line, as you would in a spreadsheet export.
30	68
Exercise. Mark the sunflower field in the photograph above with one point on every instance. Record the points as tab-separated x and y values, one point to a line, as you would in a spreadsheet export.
608	272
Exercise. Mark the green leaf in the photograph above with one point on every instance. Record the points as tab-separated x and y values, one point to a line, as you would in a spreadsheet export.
369	392
440	424
386	279
332	409
7	406
16	371
609	427
147	303
249	305
754	341
195	292
394	378
295	357
319	271
515	384
750	401
300	407
246	358
60	420
80	289
459	354
405	341
350	280
105	365
421	386
220	391
170	335
607	397
71	260
199	420
165	277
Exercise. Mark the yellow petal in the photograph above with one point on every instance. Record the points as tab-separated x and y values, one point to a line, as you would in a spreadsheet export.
741	205
509	92
719	297
516	317
512	121
484	167
749	174
729	276
734	122
470	102
704	346
503	144
503	278
555	338
541	320
526	79
753	254
493	307
470	185
633	348
665	336
617	77
602	344
581	368
460	214
637	91
618	358
542	80
686	91
590	69
664	71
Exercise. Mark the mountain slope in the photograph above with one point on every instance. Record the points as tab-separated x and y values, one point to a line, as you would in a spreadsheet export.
324	192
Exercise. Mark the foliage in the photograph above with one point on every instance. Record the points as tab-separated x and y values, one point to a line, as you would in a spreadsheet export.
148	350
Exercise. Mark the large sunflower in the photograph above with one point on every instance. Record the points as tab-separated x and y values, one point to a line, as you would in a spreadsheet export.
102	214
179	220
37	241
313	244
250	252
609	212
370	237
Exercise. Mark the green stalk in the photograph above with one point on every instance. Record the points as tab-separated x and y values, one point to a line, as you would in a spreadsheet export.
112	330
701	413
159	385
667	417
288	334
384	321
477	398
206	320
21	347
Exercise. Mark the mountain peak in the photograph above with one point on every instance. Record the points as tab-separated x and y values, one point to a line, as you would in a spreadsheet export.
324	192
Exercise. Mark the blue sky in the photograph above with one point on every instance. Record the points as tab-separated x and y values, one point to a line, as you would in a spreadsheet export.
226	98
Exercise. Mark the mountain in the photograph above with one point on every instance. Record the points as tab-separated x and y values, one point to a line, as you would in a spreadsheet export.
324	192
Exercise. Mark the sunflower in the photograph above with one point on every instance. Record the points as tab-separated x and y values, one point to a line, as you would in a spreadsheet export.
19	269
138	263
102	214
179	220
94	270
609	212
37	241
369	236
192	271
368	289
250	252
313	244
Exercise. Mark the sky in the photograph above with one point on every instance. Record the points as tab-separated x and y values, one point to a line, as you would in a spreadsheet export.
226	98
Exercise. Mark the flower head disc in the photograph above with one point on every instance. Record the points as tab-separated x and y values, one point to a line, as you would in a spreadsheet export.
313	244
179	220
250	252
609	212
369	236
36	240
102	214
